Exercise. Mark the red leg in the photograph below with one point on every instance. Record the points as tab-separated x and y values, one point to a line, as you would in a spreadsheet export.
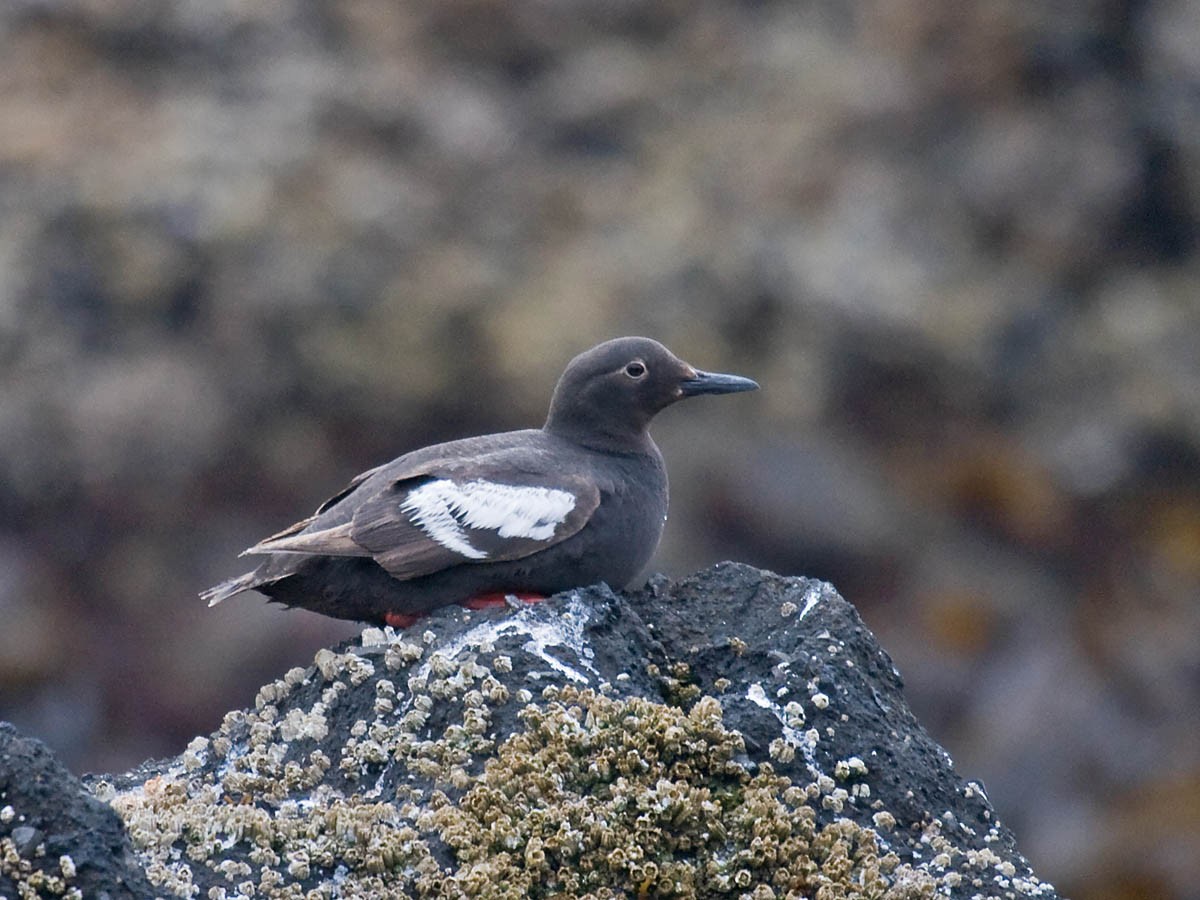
402	620
490	601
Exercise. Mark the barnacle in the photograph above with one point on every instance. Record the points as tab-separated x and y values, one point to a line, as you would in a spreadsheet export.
400	654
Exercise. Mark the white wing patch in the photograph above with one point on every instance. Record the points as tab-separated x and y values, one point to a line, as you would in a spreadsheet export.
443	509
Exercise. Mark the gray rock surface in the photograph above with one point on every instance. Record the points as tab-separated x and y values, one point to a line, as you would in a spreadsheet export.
56	839
734	733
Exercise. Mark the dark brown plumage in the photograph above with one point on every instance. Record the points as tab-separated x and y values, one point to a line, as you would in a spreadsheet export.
581	500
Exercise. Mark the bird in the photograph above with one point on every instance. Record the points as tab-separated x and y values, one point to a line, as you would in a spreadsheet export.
482	520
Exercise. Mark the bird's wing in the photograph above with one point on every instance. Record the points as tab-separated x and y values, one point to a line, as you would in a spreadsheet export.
294	539
428	524
346	491
449	514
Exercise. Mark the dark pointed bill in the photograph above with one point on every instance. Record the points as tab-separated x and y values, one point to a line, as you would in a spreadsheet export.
716	383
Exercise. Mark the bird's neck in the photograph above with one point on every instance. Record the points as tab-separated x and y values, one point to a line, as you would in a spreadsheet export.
602	436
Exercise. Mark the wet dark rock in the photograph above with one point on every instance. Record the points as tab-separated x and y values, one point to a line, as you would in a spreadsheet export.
58	829
675	720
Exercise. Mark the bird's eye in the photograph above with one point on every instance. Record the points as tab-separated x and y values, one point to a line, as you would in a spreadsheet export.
636	369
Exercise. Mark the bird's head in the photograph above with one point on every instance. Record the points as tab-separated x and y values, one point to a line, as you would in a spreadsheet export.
608	395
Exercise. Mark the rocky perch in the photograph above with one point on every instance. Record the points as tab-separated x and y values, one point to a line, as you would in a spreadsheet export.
735	733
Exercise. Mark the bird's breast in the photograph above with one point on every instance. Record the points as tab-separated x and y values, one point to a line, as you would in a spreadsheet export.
625	529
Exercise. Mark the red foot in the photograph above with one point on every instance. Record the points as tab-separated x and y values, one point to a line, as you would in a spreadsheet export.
480	601
490	601
402	620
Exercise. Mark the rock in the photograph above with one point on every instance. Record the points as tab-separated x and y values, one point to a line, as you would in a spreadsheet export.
733	733
56	838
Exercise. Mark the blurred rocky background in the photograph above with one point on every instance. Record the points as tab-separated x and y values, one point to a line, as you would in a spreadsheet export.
250	249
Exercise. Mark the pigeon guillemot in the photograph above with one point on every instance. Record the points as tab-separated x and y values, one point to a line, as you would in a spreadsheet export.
525	513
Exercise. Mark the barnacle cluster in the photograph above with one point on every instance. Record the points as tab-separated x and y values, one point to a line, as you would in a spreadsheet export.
381	772
596	796
37	878
610	797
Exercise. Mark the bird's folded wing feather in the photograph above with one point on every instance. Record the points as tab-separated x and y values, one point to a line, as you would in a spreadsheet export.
347	490
310	541
448	515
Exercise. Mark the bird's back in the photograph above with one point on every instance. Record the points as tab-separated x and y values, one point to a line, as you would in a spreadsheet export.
617	540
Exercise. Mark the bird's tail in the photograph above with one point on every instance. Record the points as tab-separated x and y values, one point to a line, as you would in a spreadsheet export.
227	589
